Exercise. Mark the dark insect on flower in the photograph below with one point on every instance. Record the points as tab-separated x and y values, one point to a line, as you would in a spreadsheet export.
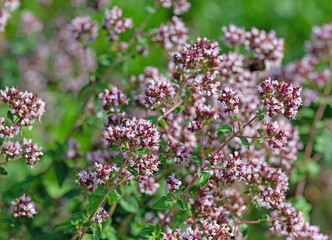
256	65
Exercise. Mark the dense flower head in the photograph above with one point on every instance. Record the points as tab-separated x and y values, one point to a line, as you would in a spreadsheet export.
31	152
87	180
266	46
199	56
157	93
84	29
205	83
115	24
195	126
137	133
149	186
145	165
210	230
229	100
181	154
172	183
100	216
23	206
12	149
103	172
232	68
277	139
7	132
179	6
215	158
172	35
234	203
113	99
25	106
280	97
232	169
205	113
286	221
272	183
320	43
233	35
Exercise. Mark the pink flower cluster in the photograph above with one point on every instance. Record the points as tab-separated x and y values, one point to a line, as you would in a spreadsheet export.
280	97
197	57
320	44
100	216
145	165
229	100
115	24
209	230
265	46
137	133
286	221
158	93
205	83
233	35
28	151
91	180
232	169
172	184
172	35
83	29
25	106
23	206
277	139
272	183
113	99
179	6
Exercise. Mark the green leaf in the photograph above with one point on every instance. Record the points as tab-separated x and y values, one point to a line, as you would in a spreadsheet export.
94	201
61	171
10	116
186	93
96	231
244	142
225	129
260	132
244	228
196	159
180	204
153	119
162	123
3	171
203	178
257	205
104	60
163	203
260	116
189	209
130	204
117	158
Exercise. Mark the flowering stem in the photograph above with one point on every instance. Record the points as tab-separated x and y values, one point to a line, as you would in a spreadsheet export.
236	133
162	222
170	110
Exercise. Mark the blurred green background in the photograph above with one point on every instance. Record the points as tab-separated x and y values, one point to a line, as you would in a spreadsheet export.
291	19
